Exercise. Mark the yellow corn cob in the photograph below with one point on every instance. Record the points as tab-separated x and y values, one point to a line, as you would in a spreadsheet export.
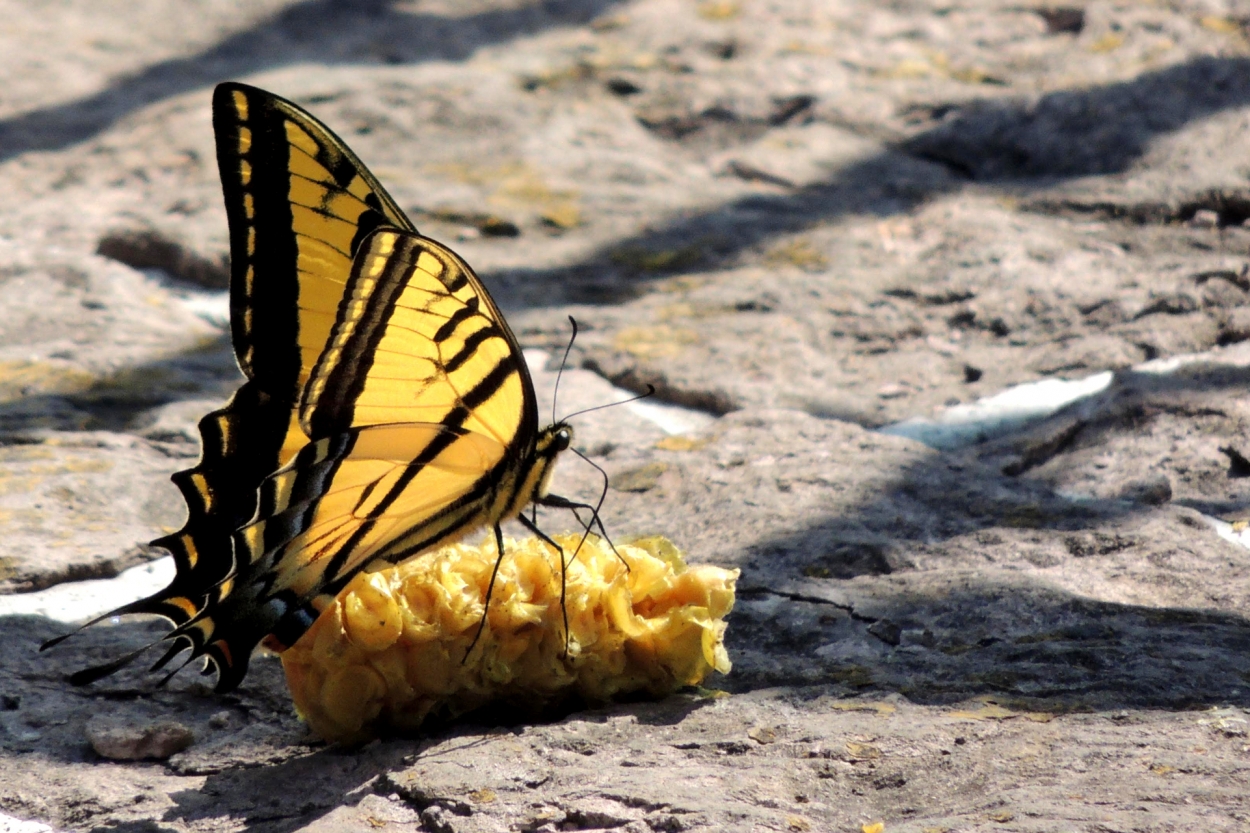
391	649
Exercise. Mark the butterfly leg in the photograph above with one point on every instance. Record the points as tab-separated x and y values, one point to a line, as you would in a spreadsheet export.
558	502
564	610
490	589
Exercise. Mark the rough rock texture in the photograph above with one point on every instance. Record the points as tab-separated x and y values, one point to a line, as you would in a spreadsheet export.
120	741
805	220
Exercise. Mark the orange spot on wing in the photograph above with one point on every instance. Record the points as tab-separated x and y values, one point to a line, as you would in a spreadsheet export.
223	648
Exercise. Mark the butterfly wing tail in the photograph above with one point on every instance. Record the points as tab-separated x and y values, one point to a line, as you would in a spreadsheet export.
220	493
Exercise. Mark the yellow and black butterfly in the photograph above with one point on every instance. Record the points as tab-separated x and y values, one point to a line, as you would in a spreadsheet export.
387	408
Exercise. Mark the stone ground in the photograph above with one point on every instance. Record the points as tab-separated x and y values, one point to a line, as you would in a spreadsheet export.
804	220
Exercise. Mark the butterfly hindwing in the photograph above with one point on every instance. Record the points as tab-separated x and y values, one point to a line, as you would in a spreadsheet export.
298	202
378	492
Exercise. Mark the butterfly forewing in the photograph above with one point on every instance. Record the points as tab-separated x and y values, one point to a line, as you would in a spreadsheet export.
423	385
282	173
418	340
387	408
299	204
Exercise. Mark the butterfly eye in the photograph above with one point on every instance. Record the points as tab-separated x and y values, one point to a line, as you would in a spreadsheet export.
562	439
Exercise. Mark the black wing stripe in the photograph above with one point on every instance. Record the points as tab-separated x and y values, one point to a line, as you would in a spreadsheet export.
488	387
458	281
455	320
483	391
275	364
435	447
469	348
335	406
447	525
468	512
371	219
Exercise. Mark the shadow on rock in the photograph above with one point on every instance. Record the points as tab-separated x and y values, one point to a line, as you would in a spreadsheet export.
1006	487
249	744
124	400
42	713
963	573
1023	143
946	638
291	794
1070	133
315	31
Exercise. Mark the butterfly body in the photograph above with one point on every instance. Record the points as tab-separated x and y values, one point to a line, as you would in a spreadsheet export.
387	409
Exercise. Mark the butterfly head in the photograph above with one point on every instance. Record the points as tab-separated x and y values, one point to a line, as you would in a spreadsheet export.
553	440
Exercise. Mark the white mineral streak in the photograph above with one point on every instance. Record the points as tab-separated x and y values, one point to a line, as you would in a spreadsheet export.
8	824
77	601
1226	531
672	419
999	414
213	307
996	415
595	391
993	416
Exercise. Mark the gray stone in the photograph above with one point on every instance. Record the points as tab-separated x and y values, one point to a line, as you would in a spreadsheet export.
804	220
135	742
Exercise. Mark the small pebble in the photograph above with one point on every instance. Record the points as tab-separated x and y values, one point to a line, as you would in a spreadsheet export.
891	391
120	741
1204	218
887	631
1233	727
1155	491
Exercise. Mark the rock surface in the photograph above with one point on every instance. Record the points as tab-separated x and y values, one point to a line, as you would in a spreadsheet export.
803	220
120	741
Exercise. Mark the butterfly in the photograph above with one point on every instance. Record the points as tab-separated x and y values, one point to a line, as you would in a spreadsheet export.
386	411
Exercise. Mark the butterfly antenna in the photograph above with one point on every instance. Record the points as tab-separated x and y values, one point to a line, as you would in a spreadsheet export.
650	392
564	361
